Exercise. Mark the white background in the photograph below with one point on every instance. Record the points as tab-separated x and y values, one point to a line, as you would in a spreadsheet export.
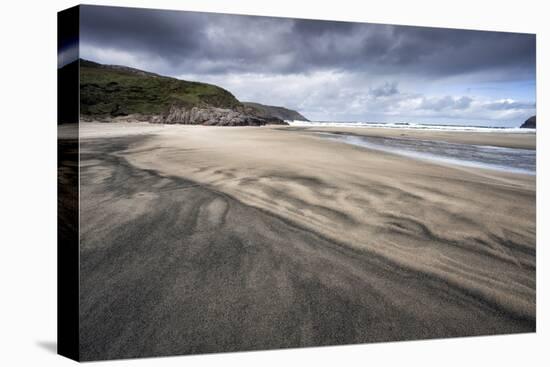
28	182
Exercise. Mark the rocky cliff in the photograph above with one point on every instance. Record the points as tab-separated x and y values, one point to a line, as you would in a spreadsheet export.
530	123
114	93
212	116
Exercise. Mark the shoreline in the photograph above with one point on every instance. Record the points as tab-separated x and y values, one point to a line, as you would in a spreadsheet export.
486	157
523	140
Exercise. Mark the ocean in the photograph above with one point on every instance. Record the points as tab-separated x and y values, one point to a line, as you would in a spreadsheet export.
410	125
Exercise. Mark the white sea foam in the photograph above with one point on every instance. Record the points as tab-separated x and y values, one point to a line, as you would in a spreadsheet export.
411	126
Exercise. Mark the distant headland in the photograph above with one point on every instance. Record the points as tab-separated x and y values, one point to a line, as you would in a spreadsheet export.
530	123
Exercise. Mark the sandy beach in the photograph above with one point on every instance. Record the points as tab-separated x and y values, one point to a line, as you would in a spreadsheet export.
202	239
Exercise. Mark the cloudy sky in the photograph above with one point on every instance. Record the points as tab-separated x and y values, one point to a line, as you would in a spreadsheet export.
327	70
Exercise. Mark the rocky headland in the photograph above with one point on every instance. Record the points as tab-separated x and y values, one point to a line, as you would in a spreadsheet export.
530	123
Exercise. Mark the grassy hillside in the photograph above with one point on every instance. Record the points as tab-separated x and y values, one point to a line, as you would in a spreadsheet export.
116	91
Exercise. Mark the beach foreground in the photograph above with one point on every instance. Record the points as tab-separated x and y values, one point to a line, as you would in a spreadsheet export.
204	239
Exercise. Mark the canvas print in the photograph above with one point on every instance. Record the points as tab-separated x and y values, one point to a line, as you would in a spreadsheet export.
237	183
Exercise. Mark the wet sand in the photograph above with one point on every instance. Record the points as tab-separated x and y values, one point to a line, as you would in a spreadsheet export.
205	239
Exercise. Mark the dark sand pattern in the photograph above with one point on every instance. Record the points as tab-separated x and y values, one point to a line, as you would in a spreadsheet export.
243	258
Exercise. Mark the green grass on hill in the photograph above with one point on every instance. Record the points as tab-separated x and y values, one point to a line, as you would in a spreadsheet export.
106	90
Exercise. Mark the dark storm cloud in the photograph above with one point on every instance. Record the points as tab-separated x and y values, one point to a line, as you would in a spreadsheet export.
457	51
188	42
171	35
